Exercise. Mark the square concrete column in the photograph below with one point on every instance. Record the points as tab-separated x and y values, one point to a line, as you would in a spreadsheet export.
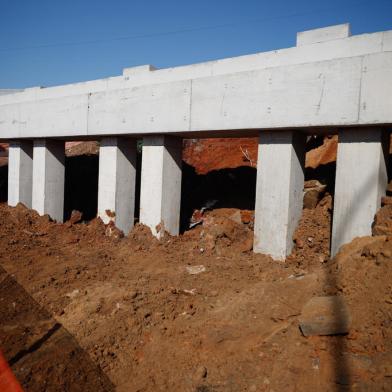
279	192
116	184
48	178
361	181
160	193
20	172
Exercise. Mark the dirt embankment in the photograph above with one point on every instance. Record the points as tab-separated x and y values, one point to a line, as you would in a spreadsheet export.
199	312
84	308
207	155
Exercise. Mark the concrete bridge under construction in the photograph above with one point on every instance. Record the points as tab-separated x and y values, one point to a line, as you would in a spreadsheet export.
330	82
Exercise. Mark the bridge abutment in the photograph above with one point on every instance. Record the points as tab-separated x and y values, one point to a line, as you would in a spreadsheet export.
116	183
20	173
37	172
160	193
330	80
279	191
48	178
361	180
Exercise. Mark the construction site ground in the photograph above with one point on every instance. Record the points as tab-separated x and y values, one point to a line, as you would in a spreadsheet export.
85	308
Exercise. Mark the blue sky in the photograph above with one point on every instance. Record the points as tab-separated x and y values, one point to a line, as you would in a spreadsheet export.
51	42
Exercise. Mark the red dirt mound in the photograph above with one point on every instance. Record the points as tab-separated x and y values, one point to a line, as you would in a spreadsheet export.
173	315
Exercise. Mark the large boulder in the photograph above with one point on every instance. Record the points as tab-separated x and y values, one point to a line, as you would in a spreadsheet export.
324	154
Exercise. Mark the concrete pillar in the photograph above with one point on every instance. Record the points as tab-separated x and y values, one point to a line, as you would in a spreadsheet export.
361	181
279	192
116	184
48	178
20	172
160	193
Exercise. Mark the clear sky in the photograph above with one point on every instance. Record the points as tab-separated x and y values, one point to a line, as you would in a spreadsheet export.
50	42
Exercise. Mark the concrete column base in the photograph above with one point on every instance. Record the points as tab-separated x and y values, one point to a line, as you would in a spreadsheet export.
361	181
160	194
116	184
279	192
48	178
20	173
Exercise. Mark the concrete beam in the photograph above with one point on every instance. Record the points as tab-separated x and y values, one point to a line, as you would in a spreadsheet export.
160	194
361	180
279	192
10	91
116	184
132	71
20	172
357	45
48	178
335	93
317	84
323	34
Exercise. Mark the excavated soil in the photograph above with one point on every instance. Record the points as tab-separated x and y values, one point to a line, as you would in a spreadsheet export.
85	309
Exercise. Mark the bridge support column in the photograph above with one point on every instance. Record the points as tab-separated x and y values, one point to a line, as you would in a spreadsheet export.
48	178
279	192
116	184
20	172
160	194
361	181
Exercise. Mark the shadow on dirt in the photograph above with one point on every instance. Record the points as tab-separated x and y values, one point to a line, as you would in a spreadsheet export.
42	354
343	373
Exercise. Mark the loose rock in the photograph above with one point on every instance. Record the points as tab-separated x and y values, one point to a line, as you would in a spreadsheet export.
325	316
313	193
195	269
201	372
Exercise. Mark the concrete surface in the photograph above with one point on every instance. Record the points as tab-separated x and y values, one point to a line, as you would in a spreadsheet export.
361	181
20	173
9	91
48	178
279	192
160	194
323	34
116	184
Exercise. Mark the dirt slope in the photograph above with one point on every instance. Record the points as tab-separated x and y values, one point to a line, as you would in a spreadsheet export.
206	155
193	313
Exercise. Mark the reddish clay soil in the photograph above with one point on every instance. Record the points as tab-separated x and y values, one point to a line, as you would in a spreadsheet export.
3	154
73	149
85	309
206	155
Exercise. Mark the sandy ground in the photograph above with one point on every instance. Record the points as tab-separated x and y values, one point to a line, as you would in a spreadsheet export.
83	308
